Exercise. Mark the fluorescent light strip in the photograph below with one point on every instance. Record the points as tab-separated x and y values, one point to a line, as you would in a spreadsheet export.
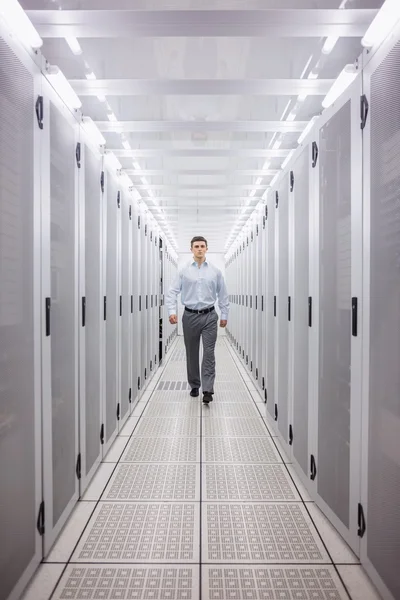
345	78
287	159
386	19
19	22
306	131
93	131
329	44
63	87
74	45
113	161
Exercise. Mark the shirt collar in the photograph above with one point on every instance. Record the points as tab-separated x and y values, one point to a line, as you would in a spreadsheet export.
204	263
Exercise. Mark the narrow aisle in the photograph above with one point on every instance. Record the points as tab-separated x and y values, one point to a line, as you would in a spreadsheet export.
196	502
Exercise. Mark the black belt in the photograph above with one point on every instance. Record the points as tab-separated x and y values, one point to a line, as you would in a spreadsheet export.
200	312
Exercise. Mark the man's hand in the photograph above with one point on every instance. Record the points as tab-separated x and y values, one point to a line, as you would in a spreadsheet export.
173	319
223	323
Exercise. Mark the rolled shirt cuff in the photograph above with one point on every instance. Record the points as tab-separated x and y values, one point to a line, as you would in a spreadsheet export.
172	312
224	316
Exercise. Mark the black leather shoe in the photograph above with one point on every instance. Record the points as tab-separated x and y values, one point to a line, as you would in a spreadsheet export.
195	392
207	398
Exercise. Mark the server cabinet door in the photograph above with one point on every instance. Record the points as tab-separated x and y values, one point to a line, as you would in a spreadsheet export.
144	297
299	308
281	325
60	276
113	311
264	300
91	314
338	409
271	306
20	318
381	331
126	307
135	332
259	294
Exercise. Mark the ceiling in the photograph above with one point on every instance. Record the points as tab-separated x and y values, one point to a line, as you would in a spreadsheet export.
204	104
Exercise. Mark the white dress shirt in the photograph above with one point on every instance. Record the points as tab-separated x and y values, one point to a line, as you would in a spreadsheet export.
199	288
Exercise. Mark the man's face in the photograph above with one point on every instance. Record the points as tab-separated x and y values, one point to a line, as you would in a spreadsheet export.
199	249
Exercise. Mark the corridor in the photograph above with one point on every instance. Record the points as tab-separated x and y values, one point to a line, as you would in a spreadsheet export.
199	502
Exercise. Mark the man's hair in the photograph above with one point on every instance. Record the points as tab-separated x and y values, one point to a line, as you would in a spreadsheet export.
198	238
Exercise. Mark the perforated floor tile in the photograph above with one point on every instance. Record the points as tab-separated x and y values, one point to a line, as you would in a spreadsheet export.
255	533
217	426
245	410
229	386
247	482
173	409
171	396
271	583
170	582
168	427
240	450
177	386
239	396
175	371
155	450
127	532
154	482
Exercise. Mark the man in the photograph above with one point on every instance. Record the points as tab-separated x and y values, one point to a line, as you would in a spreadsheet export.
200	283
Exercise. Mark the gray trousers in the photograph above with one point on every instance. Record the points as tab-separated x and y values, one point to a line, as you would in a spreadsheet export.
194	327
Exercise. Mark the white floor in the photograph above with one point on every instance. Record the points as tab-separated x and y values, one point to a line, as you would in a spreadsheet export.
199	502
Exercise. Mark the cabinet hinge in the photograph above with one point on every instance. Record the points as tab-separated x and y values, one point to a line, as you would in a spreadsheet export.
276	199
265	396
138	383
102	181
118	411
138	222
291	181
289	308
105	308
274	306
130	213
119	199
263	383
256	374
310	311
120	306
78	469
276	412
40	520
131	304
130	395
102	433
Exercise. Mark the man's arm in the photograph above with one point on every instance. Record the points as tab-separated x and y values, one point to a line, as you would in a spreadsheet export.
171	298
223	299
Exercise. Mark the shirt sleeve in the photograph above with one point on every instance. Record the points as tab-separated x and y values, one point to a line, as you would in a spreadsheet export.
223	298
172	295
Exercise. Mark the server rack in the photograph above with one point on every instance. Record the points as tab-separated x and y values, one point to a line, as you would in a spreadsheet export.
60	274
379	507
66	318
20	320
